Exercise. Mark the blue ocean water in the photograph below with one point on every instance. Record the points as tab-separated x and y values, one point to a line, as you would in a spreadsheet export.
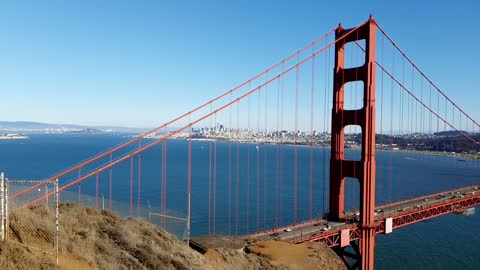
448	242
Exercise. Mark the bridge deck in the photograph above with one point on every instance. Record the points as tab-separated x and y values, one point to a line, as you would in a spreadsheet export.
402	213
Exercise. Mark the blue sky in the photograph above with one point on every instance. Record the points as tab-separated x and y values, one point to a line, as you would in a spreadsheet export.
141	63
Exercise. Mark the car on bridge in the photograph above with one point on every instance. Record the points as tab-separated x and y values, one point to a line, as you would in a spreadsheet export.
327	227
357	216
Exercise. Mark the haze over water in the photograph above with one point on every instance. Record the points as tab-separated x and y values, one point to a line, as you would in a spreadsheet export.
448	242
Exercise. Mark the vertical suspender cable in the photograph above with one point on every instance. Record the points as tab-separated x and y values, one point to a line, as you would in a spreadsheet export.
437	138
162	184
139	188
282	148
258	166
452	183
277	159
79	188
382	135
110	180
131	187
96	191
401	97
247	219
311	136
265	159
325	128
166	180
215	177
210	190
230	171
412	110
445	149
391	129
295	158
431	149
237	173
210	179
189	179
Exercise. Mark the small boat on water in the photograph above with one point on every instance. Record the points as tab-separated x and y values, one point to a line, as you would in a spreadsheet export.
467	212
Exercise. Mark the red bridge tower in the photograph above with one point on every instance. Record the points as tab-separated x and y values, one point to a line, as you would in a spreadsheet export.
363	170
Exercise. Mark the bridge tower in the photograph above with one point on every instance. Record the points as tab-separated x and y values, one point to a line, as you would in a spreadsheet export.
363	170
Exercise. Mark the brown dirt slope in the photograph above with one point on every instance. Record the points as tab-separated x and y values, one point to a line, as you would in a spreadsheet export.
305	256
91	239
13	256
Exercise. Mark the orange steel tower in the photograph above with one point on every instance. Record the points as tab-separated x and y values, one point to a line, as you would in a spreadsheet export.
363	170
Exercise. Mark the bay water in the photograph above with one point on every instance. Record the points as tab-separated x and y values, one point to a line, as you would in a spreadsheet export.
262	176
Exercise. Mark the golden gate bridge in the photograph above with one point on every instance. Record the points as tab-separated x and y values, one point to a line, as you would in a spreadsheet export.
277	120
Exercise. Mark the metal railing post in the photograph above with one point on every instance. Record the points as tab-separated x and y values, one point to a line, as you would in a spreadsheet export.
103	202
46	195
57	229
2	206
6	207
149	212
188	220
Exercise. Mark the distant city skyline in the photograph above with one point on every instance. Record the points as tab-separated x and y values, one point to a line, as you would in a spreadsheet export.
142	64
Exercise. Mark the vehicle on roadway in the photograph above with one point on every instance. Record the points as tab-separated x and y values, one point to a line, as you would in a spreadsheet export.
357	216
327	227
288	229
378	211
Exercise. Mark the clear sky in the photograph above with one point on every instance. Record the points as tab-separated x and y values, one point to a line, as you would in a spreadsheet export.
140	63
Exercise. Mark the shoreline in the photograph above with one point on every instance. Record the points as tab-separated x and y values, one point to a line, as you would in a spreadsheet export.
304	145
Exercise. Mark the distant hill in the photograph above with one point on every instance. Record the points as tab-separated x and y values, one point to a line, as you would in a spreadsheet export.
450	133
26	126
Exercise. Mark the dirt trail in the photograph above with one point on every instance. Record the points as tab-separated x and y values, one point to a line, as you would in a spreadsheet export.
69	262
301	256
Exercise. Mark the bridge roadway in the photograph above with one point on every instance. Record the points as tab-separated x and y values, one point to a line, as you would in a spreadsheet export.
388	217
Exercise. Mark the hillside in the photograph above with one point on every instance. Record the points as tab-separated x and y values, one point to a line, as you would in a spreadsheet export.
26	126
92	239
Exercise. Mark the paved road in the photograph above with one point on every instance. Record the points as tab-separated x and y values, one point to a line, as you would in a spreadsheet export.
323	226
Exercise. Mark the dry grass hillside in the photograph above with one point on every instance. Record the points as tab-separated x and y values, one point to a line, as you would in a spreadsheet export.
92	239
